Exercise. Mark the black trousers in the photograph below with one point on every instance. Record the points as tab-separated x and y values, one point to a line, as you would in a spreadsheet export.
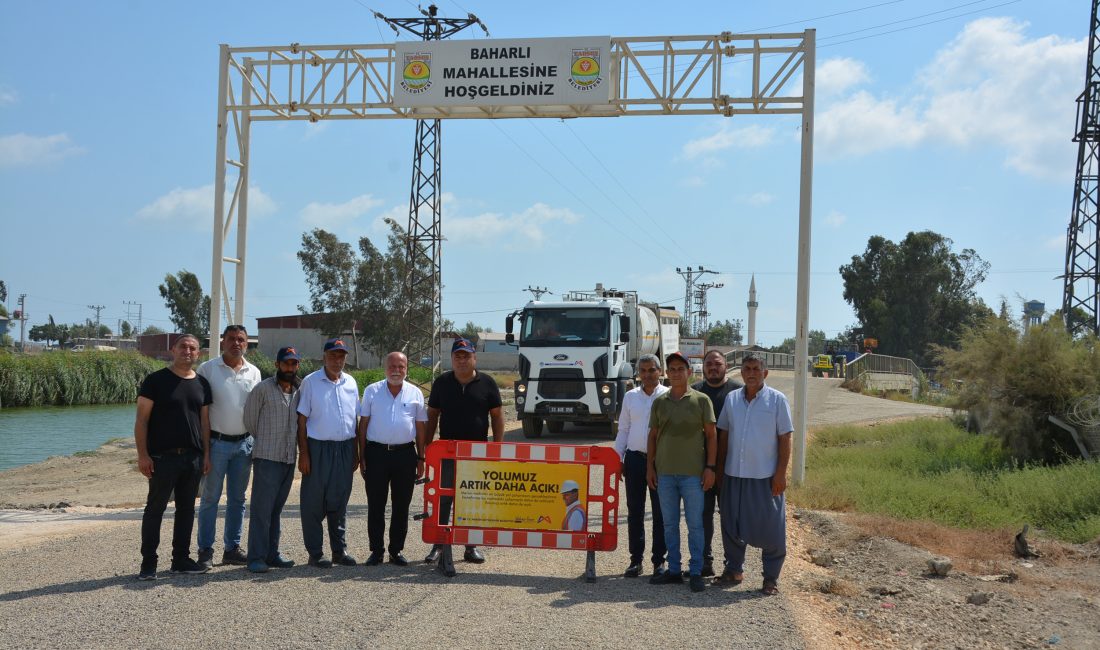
710	499
634	469
179	472
389	472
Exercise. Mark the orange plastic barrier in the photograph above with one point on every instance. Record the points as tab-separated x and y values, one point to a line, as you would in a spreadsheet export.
441	491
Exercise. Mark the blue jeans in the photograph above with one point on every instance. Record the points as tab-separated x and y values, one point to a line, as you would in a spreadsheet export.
671	488
230	464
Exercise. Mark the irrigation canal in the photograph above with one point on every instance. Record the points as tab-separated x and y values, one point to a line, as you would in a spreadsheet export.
31	435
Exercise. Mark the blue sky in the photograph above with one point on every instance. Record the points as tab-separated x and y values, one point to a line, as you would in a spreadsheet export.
954	116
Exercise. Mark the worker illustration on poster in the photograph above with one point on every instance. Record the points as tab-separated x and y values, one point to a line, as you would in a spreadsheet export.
575	518
532	495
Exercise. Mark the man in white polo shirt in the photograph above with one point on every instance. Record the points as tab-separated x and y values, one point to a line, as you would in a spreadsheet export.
630	442
391	444
328	405
229	449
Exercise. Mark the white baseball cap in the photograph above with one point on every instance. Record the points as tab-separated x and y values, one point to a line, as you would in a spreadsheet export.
569	486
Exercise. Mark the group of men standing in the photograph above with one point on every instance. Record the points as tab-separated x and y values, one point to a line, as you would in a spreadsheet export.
671	439
221	424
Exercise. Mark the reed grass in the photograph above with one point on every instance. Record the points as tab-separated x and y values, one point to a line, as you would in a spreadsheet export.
73	378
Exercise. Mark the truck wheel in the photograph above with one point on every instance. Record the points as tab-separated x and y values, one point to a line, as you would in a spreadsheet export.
555	426
532	427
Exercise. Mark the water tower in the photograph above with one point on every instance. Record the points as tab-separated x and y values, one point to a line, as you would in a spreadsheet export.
1033	312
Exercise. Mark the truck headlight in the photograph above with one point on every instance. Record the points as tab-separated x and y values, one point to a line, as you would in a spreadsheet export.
520	400
607	401
521	388
605	389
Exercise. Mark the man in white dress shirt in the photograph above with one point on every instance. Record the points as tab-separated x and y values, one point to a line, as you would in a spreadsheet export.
630	443
229	449
392	418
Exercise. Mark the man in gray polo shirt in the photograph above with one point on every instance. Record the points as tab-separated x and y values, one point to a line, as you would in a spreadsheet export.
270	413
327	454
229	448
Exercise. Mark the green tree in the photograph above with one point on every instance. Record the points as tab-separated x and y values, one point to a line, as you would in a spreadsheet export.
188	307
361	288
3	299
915	294
816	344
126	330
472	330
724	332
151	330
50	331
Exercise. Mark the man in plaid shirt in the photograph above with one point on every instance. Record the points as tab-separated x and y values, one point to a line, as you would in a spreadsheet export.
271	414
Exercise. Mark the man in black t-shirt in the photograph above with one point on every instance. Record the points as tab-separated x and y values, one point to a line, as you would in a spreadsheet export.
172	413
463	404
716	386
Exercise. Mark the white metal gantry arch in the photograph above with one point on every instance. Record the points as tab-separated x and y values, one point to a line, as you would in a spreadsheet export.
651	75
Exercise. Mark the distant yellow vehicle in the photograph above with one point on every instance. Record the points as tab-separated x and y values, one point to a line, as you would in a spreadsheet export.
823	363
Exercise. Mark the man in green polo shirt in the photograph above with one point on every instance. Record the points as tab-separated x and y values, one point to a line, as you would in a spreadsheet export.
681	455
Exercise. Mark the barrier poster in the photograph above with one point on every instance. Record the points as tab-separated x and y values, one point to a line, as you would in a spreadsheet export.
531	495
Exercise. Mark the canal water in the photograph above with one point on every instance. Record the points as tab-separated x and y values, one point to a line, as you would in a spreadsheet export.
31	435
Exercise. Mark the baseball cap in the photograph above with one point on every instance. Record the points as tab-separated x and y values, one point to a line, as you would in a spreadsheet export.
569	485
335	344
679	357
462	345
287	354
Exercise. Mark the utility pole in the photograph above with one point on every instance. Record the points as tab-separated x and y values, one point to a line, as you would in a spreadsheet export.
129	317
96	309
538	291
690	276
702	320
22	316
1081	288
423	313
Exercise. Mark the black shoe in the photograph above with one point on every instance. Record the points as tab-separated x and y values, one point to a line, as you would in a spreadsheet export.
344	560
374	559
280	562
206	557
399	560
659	569
667	578
697	583
473	555
234	556
633	571
708	569
147	572
320	561
433	555
187	565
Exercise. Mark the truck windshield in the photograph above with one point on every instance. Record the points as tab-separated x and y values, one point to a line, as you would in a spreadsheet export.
548	327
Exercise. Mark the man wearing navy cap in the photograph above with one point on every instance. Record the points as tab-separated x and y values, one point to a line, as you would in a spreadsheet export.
271	414
328	407
463	403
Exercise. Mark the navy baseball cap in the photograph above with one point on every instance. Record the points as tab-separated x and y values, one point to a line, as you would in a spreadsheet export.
287	354
335	344
462	345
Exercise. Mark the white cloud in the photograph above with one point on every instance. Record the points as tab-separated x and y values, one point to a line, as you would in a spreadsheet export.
22	150
195	206
727	137
835	219
991	86
333	216
8	95
835	76
760	198
1057	243
692	181
531	228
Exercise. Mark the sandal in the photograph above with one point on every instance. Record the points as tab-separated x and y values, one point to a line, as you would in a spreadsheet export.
769	588
728	579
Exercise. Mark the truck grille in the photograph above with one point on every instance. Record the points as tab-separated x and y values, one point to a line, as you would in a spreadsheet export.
561	383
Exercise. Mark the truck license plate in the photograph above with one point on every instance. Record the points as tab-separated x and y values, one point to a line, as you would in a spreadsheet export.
565	410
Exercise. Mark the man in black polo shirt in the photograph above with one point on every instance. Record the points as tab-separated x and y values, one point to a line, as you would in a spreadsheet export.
172	413
463	404
716	386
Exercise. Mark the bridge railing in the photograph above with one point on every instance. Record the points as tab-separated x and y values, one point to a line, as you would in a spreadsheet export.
775	360
880	364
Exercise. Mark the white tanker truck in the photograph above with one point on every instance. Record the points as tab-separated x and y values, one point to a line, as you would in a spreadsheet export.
577	356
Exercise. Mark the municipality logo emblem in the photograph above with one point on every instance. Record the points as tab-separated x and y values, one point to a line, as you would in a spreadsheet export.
416	76
584	71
